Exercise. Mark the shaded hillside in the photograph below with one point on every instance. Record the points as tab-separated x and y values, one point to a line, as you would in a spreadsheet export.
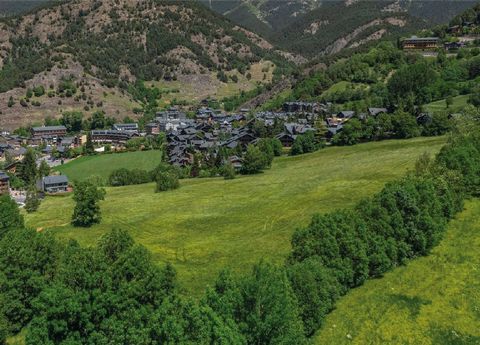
16	7
311	27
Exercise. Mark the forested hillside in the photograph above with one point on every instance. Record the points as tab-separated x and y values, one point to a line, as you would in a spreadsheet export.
103	45
16	7
310	27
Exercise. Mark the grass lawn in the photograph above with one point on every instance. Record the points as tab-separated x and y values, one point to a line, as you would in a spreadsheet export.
102	165
459	102
431	300
209	224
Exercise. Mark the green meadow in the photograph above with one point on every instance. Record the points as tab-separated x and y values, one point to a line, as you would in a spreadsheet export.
209	224
459	102
432	300
102	165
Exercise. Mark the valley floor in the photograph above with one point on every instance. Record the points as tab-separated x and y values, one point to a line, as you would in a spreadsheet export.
209	224
431	300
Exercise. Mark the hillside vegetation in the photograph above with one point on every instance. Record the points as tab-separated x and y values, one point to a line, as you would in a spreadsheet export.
77	51
311	28
208	224
432	300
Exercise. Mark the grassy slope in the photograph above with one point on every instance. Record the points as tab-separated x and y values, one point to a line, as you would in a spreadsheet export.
432	300
195	89
211	223
102	165
459	102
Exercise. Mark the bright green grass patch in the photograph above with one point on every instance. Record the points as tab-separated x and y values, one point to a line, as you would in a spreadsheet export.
342	86
431	300
102	165
459	102
209	224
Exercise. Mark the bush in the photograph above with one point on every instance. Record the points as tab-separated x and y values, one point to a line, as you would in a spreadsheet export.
253	161
228	171
125	177
166	181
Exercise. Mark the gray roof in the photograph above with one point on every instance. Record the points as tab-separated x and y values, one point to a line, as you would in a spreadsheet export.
49	128
3	176
54	179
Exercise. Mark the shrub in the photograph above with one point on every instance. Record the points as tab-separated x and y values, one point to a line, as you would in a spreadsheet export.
166	181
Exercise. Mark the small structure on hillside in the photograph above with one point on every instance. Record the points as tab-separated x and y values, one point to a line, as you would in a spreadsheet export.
421	43
53	184
4	183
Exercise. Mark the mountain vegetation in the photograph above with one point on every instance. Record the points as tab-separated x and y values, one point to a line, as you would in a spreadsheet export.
311	28
77	51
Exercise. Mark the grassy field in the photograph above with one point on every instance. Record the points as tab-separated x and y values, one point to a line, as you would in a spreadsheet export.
102	165
209	224
432	300
459	102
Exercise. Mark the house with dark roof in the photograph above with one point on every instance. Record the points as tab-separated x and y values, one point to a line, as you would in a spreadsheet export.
4	183
376	111
421	43
53	184
49	132
125	127
101	136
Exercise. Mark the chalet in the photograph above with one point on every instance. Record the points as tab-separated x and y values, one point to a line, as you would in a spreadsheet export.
49	132
53	184
12	167
132	127
421	43
299	107
346	114
376	111
4	183
453	45
112	136
286	139
236	162
455	30
16	153
152	128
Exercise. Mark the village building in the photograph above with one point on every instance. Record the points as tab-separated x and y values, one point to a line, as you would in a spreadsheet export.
53	184
49	132
421	43
132	127
101	136
4	183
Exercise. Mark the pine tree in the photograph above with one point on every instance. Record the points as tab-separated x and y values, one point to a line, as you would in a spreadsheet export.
89	148
32	202
29	168
43	169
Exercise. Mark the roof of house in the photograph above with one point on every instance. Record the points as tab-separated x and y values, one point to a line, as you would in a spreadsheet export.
55	179
49	128
3	176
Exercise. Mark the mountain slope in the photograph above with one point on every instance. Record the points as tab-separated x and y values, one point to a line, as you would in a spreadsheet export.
314	27
111	44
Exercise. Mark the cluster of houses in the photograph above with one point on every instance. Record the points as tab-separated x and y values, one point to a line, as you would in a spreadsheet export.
211	131
206	133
